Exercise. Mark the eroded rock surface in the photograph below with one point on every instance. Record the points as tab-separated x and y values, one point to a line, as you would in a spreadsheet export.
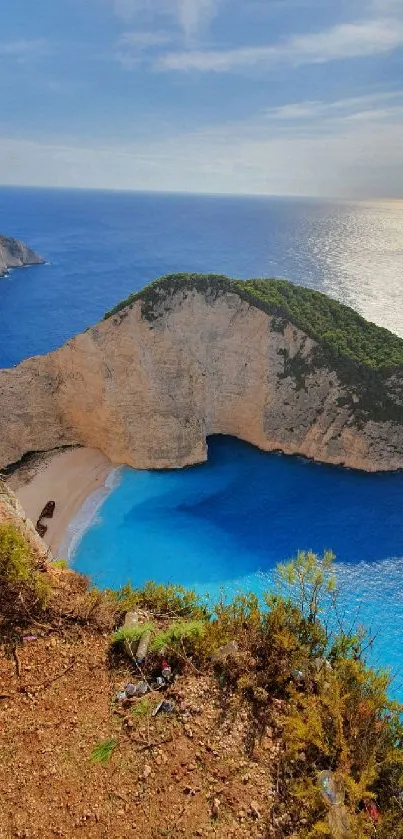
11	512
148	391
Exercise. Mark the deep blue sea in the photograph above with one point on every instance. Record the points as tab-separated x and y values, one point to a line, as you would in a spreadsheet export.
228	522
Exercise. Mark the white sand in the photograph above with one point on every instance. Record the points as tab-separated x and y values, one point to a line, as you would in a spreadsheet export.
66	477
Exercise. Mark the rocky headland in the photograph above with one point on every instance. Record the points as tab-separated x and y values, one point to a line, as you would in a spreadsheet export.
282	367
14	254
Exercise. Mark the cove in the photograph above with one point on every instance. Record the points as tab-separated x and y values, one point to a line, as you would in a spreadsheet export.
224	525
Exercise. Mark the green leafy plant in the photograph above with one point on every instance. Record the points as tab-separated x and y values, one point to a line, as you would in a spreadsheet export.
162	600
179	635
142	708
103	751
61	563
130	634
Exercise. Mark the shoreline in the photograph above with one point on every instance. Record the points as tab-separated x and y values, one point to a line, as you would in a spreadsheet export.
71	478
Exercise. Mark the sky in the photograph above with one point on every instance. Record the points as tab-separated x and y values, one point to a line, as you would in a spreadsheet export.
284	97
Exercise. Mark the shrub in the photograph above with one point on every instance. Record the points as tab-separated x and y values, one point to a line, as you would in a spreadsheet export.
24	590
181	635
131	634
61	563
162	600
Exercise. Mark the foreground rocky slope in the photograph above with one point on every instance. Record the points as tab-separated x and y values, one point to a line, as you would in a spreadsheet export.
14	254
279	366
270	727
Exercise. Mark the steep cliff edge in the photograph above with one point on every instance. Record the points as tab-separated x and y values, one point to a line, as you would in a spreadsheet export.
282	367
11	512
14	254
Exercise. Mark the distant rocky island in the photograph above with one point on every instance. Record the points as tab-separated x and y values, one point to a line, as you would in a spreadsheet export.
14	254
280	366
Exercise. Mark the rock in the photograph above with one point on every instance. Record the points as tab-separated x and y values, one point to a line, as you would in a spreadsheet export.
146	772
131	620
48	510
215	808
14	254
41	529
254	810
186	360
230	649
143	646
12	512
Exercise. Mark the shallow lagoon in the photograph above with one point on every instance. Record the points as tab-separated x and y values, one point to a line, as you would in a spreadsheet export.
227	523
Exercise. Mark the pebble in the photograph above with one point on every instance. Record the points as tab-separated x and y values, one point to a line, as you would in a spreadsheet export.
254	809
147	772
215	807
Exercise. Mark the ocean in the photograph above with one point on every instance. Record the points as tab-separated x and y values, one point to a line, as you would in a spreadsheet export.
103	245
222	526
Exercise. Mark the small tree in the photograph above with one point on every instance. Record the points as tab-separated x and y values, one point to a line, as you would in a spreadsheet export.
309	580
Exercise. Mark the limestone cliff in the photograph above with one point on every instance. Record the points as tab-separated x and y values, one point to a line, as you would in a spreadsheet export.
11	512
14	254
193	356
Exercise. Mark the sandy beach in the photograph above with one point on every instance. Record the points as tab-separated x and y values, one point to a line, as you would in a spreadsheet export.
68	478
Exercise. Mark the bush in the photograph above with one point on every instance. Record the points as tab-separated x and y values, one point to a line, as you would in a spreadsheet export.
162	600
179	636
131	634
24	590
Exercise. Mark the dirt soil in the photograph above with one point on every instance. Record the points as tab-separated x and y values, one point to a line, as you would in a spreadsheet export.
198	771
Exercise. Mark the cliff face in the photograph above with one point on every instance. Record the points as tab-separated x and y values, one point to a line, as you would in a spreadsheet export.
14	254
147	387
11	512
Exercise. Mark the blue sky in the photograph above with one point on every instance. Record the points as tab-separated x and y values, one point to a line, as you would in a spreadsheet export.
299	97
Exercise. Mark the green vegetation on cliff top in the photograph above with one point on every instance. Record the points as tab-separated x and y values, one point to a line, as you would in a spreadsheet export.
340	329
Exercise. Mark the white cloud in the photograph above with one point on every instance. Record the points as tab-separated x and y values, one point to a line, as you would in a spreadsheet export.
347	40
348	149
354	107
190	15
23	50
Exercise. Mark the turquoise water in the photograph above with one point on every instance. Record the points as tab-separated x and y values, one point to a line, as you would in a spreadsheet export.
227	523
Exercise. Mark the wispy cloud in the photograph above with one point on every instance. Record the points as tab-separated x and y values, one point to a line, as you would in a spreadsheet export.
23	50
190	15
347	40
133	47
354	107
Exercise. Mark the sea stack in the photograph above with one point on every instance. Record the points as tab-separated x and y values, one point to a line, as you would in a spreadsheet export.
14	254
280	366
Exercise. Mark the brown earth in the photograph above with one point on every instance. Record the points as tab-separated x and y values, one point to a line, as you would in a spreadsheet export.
199	771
